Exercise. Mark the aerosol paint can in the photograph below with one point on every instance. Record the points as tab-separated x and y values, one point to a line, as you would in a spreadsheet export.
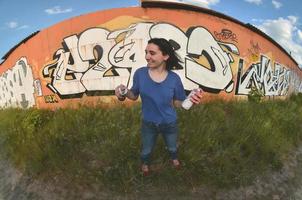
187	103
123	91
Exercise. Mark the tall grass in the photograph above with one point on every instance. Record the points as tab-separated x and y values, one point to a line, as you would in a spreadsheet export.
223	144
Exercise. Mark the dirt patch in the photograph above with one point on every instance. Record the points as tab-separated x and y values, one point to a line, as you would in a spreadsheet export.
282	185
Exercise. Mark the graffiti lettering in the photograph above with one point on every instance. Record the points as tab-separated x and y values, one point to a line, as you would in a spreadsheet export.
295	82
272	82
50	99
100	60
254	51
226	34
38	87
219	75
16	86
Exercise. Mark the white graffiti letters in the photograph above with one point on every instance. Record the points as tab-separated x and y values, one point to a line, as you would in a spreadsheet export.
16	86
95	46
219	75
99	60
129	52
272	82
64	81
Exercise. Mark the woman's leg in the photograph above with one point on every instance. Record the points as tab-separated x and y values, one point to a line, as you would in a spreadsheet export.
149	136
170	135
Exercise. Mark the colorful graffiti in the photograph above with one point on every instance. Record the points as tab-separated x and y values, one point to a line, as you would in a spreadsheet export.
272	81
115	62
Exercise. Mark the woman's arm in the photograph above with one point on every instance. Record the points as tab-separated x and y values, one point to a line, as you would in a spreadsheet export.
131	96
177	103
129	93
195	98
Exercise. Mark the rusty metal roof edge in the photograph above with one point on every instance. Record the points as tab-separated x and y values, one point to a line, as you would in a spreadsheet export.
177	5
17	45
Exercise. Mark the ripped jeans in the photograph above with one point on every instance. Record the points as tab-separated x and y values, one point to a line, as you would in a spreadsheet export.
149	133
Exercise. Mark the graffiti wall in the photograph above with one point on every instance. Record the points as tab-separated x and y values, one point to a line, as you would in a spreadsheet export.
82	60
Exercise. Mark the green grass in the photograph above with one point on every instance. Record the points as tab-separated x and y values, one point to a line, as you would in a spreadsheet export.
221	144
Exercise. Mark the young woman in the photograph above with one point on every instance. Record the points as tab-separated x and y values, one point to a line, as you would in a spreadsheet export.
161	90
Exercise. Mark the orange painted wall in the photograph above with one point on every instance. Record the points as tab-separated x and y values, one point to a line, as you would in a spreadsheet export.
82	60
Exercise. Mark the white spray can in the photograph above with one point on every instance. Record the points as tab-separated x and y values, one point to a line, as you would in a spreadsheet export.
123	91
187	103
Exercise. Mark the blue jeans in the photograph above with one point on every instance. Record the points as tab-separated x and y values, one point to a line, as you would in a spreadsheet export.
149	133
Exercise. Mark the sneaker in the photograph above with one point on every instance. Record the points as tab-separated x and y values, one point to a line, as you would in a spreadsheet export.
175	163
145	169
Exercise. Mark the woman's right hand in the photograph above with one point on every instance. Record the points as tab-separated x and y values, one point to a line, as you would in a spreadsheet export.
118	94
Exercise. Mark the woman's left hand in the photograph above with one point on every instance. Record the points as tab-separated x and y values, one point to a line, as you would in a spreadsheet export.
196	98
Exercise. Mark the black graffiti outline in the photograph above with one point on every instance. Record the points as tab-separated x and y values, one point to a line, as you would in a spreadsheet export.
255	76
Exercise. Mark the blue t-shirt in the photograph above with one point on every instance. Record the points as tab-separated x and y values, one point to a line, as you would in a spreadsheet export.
157	98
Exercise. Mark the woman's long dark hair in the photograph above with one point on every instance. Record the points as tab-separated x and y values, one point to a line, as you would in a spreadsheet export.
166	48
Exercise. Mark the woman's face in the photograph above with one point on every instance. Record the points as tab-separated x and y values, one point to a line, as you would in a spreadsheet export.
155	57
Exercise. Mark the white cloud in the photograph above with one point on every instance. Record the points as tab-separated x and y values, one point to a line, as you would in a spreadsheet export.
300	35
257	2
293	19
208	3
15	25
12	24
257	20
23	27
57	10
286	33
277	4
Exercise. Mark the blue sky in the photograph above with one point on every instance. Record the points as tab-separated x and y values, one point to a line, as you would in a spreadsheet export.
280	19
